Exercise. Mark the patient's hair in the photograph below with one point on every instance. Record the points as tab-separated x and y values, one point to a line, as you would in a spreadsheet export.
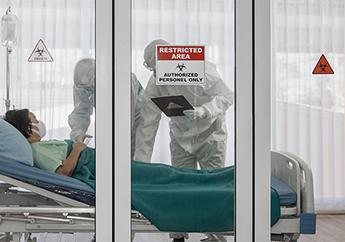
20	120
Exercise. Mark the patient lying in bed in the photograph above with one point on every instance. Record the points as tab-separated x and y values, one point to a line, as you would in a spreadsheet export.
63	157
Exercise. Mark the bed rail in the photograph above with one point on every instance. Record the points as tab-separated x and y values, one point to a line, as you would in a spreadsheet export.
288	170
297	174
307	188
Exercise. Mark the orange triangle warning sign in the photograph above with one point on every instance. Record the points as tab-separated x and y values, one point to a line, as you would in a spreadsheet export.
323	67
40	53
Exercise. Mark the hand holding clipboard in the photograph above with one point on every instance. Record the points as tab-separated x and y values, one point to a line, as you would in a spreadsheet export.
172	105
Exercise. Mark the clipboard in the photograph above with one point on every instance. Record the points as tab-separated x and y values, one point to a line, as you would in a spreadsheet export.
172	105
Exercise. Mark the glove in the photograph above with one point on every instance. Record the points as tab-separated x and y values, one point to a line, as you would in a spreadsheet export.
196	113
80	138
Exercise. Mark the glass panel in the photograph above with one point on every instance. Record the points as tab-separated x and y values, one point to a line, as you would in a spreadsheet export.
168	131
308	95
48	48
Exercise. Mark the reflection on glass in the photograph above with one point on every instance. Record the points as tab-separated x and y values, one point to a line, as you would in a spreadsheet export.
187	129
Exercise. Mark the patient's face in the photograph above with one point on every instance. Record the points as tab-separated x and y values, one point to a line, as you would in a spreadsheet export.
34	137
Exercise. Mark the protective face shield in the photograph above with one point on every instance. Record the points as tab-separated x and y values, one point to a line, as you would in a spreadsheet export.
41	128
150	53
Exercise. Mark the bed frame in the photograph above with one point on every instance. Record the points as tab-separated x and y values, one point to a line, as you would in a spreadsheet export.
26	209
296	220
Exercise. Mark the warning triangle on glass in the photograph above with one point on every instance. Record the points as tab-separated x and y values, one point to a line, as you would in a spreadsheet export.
40	53
323	67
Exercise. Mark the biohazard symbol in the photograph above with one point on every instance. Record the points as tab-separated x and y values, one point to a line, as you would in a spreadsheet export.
323	67
40	51
181	66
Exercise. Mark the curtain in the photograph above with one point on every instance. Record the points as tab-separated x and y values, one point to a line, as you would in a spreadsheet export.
308	110
67	28
198	22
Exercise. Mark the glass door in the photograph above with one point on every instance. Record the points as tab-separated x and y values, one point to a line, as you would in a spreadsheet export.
181	70
183	119
308	103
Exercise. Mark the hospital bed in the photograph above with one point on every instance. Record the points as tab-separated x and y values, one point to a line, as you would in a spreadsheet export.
37	201
292	179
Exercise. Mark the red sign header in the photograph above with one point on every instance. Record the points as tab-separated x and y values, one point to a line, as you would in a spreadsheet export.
178	52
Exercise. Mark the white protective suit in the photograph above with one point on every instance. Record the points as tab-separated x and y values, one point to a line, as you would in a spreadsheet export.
84	100
199	138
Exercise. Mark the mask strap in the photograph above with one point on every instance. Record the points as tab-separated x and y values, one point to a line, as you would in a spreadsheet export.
35	130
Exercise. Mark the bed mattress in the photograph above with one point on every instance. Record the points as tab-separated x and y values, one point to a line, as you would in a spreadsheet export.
287	196
64	185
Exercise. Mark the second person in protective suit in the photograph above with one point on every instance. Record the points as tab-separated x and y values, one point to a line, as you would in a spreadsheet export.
200	136
84	101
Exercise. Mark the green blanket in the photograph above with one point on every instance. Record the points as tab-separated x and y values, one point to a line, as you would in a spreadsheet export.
85	169
186	200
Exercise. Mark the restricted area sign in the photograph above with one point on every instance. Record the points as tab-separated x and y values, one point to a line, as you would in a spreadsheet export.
323	67
180	65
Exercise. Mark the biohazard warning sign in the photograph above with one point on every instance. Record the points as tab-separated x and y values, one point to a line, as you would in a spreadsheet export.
323	67
180	65
40	53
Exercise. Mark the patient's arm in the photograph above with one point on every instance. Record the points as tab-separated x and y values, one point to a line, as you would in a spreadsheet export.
70	163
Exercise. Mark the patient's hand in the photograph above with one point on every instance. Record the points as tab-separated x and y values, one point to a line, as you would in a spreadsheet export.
70	163
79	146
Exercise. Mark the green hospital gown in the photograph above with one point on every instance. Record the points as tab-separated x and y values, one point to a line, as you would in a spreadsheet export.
49	155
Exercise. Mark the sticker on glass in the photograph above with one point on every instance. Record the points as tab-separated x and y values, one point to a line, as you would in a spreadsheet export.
323	66
40	53
180	65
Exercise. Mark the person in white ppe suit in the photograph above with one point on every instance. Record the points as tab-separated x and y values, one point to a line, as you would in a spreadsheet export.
84	100
200	136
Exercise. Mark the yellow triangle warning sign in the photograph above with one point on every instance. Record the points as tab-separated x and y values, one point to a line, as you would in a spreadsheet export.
323	67
40	53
